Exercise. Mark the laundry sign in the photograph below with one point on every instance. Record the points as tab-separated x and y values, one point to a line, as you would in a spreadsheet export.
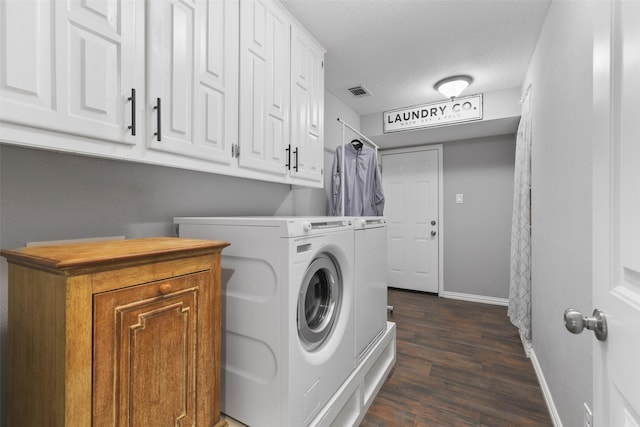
457	110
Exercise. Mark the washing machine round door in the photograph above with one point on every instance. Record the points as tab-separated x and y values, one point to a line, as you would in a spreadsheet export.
319	301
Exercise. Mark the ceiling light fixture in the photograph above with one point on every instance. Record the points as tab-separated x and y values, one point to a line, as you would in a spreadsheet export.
452	87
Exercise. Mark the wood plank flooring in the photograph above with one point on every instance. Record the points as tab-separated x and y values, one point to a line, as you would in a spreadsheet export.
458	364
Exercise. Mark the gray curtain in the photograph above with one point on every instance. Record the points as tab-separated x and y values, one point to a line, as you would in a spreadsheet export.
520	284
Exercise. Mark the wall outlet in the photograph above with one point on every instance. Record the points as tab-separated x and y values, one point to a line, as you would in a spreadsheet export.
588	416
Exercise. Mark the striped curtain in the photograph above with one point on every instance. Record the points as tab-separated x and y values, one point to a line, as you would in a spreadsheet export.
520	283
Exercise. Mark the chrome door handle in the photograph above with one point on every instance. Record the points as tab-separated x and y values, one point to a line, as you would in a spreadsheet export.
575	322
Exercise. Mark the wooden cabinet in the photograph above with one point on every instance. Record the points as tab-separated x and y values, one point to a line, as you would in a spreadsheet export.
115	333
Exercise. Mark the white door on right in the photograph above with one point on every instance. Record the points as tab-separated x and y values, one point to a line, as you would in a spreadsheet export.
616	212
410	181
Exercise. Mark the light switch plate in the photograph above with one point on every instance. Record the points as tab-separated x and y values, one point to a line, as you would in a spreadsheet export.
459	198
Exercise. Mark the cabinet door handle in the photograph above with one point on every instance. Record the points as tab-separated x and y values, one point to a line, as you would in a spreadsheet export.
165	289
159	115
288	150
296	153
132	98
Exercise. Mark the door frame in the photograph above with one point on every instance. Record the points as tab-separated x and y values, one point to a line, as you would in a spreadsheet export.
439	149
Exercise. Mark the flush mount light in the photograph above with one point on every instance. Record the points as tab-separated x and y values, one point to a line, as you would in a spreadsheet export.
452	87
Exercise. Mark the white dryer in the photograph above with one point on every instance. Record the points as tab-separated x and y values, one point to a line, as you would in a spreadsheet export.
288	314
370	263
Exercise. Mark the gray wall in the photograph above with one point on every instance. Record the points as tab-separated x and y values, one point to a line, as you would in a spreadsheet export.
49	196
561	76
477	232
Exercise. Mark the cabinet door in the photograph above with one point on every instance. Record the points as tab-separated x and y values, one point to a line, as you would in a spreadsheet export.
307	106
149	364
75	76
264	87
193	63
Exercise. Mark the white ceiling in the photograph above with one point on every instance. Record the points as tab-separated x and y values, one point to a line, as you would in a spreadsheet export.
398	49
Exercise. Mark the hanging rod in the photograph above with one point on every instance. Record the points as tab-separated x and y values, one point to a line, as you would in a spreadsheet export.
367	140
370	142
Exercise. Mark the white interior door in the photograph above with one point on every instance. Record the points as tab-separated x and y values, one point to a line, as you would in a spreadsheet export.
411	184
616	212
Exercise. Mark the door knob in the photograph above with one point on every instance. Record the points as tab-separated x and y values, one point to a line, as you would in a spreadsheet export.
433	223
575	322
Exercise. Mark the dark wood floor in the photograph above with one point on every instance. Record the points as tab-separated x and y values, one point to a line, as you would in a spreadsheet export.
458	364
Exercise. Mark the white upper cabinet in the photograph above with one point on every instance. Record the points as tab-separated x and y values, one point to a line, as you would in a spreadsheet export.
281	95
192	105
70	66
264	87
224	86
307	107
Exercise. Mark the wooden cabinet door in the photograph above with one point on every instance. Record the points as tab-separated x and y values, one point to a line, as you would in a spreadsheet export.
307	107
264	87
193	70
70	66
150	354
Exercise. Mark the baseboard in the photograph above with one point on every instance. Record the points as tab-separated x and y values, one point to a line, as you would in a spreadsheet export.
553	412
475	298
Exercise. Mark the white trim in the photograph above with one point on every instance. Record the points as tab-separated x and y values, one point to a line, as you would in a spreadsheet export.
350	403
439	149
475	298
553	412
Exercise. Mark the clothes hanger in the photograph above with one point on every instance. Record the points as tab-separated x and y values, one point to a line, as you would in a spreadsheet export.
356	143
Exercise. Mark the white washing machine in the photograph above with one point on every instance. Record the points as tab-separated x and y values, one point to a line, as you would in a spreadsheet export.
288	314
370	263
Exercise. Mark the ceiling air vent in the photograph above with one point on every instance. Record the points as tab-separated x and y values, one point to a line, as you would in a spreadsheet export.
359	91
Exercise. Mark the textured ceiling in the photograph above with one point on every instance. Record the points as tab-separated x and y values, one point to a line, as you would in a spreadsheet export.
398	49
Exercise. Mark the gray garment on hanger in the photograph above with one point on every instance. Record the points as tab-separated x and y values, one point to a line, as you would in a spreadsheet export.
362	184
